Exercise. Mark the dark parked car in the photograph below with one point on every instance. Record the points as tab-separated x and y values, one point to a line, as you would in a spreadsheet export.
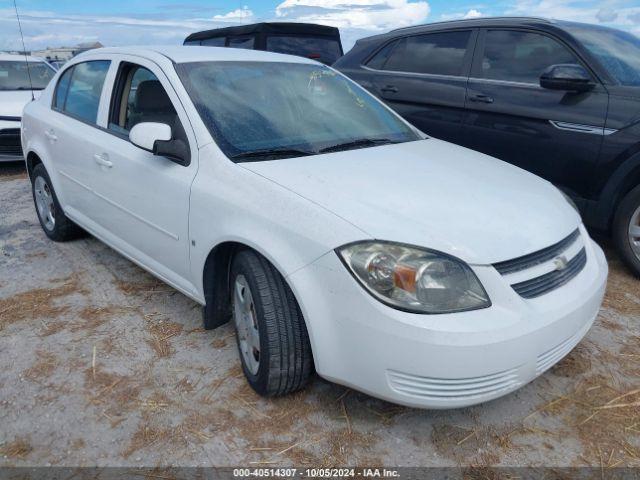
318	42
559	99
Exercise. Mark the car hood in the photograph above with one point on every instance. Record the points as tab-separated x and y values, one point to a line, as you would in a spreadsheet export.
432	194
13	102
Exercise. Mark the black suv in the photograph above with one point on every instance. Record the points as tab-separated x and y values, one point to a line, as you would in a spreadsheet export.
319	42
559	99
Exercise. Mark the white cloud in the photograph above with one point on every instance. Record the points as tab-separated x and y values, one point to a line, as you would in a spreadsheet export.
372	15
239	15
473	13
606	14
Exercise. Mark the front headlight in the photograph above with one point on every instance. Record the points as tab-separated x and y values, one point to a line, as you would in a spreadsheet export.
414	279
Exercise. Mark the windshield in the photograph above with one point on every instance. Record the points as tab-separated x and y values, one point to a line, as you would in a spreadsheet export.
254	108
13	75
323	49
619	52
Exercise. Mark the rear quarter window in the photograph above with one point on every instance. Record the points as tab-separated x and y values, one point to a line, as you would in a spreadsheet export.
326	50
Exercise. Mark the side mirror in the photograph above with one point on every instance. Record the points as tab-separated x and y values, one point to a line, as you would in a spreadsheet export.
158	139
568	77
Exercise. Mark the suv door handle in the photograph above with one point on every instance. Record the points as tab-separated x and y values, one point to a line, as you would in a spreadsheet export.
103	159
481	98
389	89
50	134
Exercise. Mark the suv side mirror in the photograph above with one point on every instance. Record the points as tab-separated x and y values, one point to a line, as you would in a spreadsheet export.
568	76
158	139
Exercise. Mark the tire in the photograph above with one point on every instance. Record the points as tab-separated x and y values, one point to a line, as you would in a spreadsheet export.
52	219
628	247
274	326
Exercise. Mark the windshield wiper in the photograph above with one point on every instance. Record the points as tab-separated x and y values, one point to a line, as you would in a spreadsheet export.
272	153
358	143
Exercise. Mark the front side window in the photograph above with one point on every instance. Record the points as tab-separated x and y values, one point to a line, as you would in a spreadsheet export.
81	97
140	97
323	49
435	53
266	110
241	42
619	52
521	56
14	75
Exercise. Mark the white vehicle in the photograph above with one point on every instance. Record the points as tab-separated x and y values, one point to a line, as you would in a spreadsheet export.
16	90
276	192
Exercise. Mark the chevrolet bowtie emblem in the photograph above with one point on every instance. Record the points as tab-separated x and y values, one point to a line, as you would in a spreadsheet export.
560	262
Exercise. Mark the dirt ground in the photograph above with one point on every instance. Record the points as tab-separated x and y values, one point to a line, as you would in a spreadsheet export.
100	364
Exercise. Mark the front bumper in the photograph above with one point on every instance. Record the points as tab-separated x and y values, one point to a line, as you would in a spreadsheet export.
10	142
450	360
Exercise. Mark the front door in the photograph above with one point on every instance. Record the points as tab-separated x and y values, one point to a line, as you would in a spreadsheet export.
144	197
554	134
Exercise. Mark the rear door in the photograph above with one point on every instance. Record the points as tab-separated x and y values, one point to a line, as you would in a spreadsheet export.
424	78
554	134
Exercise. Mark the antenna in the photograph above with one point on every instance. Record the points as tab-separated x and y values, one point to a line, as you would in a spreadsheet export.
24	49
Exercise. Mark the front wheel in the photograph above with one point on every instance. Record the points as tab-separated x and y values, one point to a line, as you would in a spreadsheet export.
626	230
271	334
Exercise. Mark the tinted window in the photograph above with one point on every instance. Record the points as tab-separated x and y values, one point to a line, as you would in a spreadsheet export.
192	42
241	42
83	97
437	53
61	89
619	52
14	75
521	56
216	42
379	59
326	50
142	99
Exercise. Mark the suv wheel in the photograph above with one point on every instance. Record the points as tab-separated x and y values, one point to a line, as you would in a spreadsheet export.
270	331
52	219
626	229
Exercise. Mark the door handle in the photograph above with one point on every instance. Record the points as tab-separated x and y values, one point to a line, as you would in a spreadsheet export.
389	89
50	134
481	98
103	159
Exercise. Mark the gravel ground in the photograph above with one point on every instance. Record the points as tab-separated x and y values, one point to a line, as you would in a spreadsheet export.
103	365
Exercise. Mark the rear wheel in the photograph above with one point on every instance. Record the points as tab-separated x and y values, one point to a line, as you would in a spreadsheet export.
626	229
271	334
52	219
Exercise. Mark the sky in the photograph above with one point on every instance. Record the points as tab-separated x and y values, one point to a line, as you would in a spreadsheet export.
53	23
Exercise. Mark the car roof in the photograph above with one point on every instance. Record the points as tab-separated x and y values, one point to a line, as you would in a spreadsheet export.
191	53
267	27
8	57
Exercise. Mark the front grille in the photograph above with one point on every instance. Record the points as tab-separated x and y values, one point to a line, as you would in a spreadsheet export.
546	260
536	258
10	142
453	388
552	280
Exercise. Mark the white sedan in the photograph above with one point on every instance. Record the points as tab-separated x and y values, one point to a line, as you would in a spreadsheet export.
21	79
276	192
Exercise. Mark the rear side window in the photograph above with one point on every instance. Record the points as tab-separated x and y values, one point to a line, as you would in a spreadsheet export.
81	96
521	56
435	53
241	42
61	89
192	42
214	42
380	58
326	50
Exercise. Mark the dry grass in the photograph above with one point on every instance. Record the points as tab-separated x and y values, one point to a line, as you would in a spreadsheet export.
38	303
90	318
19	448
161	332
623	293
45	364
